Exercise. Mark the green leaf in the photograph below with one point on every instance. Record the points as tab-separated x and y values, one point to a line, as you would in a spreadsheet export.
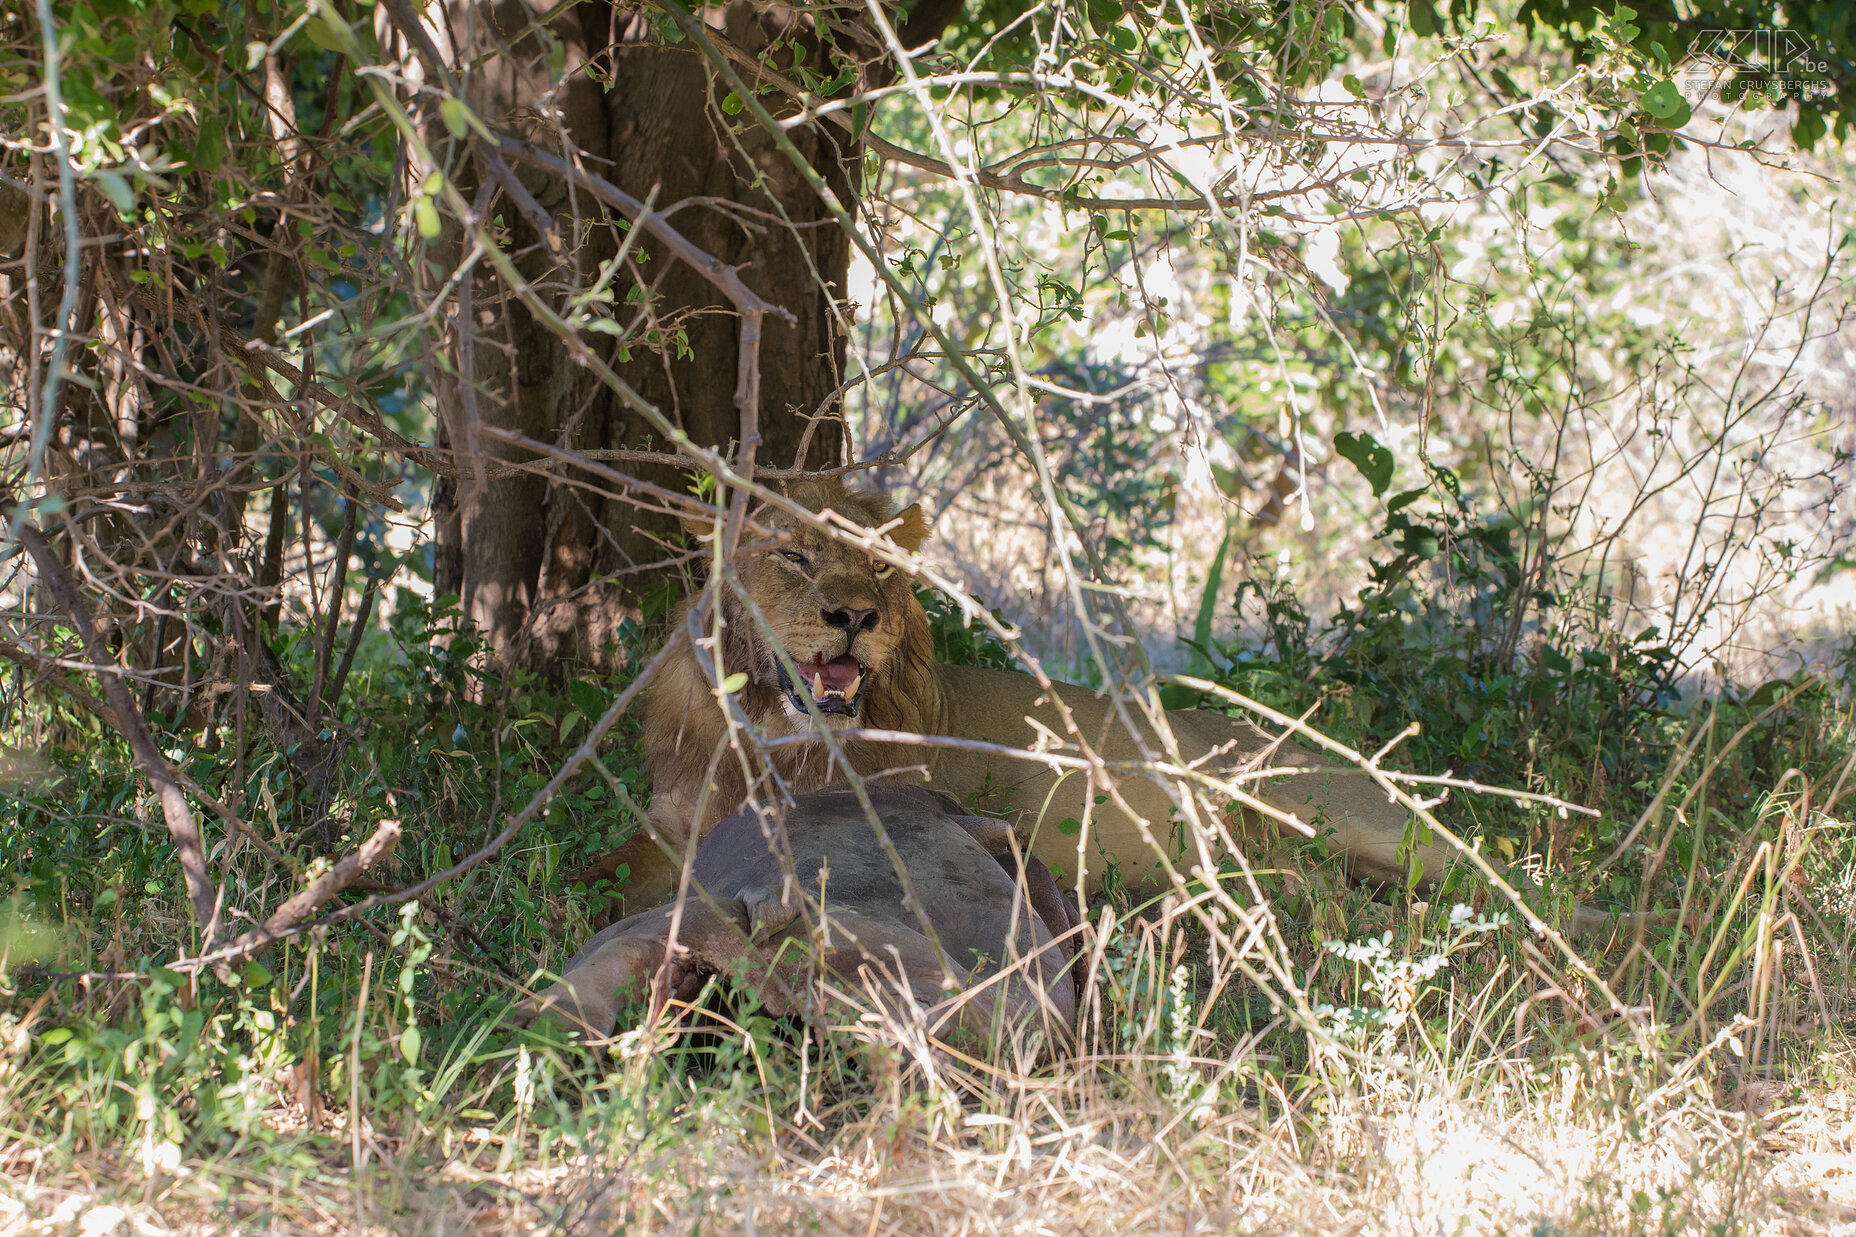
1354	87
426	216
587	697
732	103
1623	24
1767	692
256	974
209	148
320	34
455	115
1208	603
1665	102
329	32
1420	541
1365	453
1809	129
410	1040
116	187
1070	825
1122	38
734	682
1423	19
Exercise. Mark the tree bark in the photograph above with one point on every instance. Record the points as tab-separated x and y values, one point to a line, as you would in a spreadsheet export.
546	567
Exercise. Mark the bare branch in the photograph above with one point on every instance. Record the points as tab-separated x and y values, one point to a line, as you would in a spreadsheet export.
726	278
182	827
300	906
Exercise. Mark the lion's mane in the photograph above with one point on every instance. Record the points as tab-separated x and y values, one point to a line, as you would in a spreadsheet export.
684	723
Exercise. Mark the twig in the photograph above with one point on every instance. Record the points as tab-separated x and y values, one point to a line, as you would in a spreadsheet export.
354	642
82	977
536	803
401	13
301	905
1527	796
325	646
726	278
670	459
837	111
257	356
456	922
182	828
43	667
67	206
1475	856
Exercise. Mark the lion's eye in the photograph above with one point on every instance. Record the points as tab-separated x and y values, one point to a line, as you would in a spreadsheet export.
883	570
793	556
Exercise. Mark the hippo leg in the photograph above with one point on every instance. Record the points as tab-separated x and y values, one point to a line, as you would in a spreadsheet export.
617	965
767	915
1041	890
588	998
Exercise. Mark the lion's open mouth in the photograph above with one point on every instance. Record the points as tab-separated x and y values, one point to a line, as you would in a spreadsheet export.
832	685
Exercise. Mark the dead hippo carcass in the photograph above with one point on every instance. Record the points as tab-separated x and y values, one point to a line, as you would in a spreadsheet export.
811	892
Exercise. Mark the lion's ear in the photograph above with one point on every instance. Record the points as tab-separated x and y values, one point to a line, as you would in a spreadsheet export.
911	528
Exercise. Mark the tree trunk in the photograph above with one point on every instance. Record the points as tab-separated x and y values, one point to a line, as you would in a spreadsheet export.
546	567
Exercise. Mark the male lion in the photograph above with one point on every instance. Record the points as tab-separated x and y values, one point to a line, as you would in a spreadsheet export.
851	627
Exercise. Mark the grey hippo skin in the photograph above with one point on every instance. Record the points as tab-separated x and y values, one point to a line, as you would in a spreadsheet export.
761	919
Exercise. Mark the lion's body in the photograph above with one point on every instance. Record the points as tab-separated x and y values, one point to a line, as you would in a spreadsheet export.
1344	806
697	779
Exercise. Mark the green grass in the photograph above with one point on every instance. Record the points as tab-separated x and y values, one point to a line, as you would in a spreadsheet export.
362	1078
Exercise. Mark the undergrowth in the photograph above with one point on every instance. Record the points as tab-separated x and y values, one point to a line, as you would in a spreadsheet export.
380	1041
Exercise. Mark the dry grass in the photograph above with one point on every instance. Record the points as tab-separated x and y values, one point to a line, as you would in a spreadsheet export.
1439	1118
1513	1147
1237	1071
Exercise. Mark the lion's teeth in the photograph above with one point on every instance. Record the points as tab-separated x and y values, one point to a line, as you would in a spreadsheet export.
850	693
818	686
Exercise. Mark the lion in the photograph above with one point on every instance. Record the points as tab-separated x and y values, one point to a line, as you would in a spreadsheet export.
862	657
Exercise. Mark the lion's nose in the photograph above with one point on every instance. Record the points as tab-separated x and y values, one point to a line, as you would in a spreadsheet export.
851	619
